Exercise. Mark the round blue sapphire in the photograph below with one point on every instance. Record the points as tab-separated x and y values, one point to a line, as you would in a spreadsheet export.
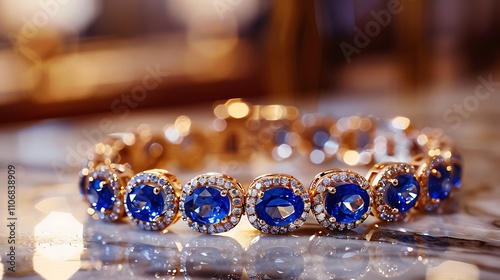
440	182
279	206
144	204
348	203
403	194
100	195
206	205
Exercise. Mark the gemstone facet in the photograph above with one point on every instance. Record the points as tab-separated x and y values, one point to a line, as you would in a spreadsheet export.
348	203
440	182
144	204
206	205
279	206
403	195
100	195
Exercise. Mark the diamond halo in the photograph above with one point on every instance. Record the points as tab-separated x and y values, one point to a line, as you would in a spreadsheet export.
275	189
221	186
328	183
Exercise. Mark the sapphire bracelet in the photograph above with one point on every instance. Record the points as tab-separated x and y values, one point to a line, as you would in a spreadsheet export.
417	170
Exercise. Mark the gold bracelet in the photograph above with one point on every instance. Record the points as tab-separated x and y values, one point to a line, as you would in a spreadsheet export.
416	169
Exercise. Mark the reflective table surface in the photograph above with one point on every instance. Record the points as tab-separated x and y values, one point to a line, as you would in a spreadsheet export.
56	239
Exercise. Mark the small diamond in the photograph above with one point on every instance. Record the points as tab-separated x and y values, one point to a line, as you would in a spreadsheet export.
317	199
335	177
228	226
294	184
250	210
326	182
276	181
274	230
220	229
211	180
228	184
320	217
320	189
202	180
253	192
237	211
318	208
235	192
161	181
352	177
211	229
265	229
343	176
154	178
252	219
258	186
284	181
220	181
234	220
251	201
267	182
325	223
237	201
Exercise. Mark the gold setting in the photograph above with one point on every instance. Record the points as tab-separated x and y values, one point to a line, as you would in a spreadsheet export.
265	182
164	183
327	182
116	176
380	177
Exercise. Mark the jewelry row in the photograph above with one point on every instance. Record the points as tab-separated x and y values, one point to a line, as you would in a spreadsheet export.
273	203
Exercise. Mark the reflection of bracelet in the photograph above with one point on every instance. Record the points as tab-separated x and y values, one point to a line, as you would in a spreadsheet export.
417	169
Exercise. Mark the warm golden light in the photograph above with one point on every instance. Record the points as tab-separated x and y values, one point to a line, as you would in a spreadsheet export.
183	125
59	243
453	270
351	157
272	112
238	110
400	123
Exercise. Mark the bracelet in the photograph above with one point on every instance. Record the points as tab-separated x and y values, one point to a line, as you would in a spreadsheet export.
414	170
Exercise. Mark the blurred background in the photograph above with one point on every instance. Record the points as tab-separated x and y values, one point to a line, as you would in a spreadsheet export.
61	58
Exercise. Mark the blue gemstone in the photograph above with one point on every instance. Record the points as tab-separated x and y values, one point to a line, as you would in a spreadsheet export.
144	204
404	194
440	182
206	205
348	203
100	195
279	206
